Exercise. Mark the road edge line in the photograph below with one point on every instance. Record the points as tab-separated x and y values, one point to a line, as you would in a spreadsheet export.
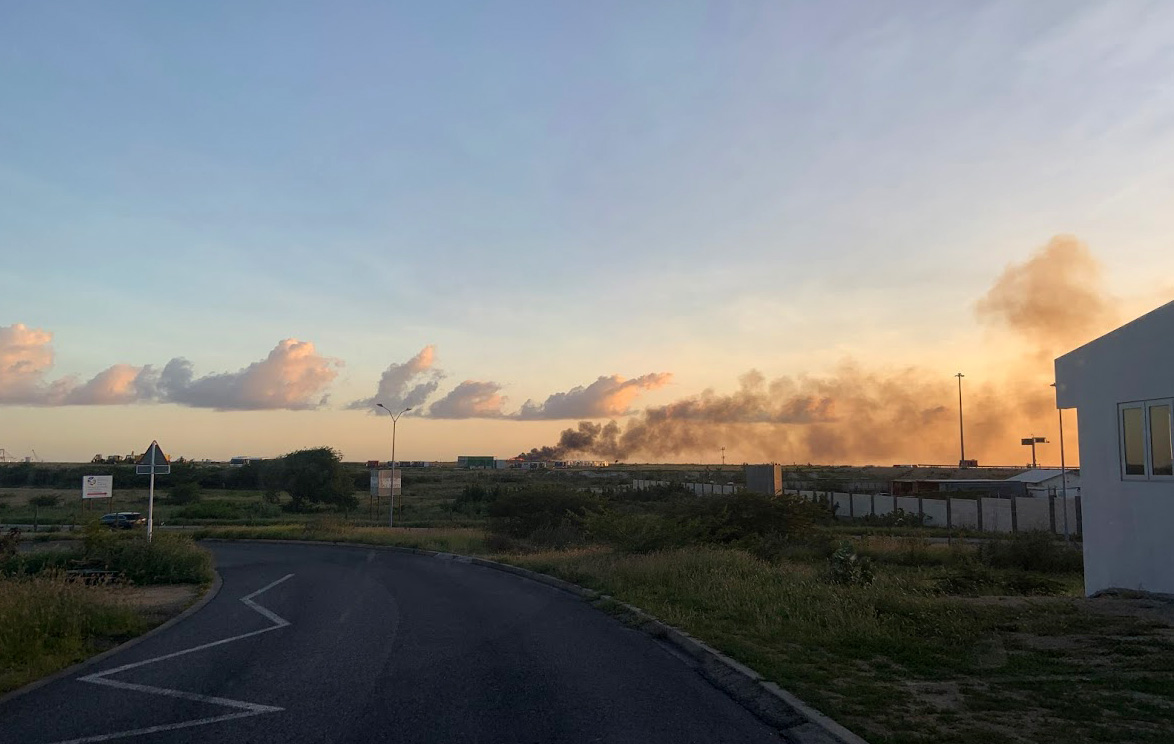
798	721
195	607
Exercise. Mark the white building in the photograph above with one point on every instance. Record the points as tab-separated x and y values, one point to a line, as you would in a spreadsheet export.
1043	482
1122	386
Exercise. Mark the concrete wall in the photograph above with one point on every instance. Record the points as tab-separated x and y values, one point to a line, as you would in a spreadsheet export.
1127	523
935	512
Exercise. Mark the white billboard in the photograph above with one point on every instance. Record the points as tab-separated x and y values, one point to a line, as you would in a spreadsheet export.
383	484
97	486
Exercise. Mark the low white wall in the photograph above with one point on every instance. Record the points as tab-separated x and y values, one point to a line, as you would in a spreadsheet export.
1033	514
841	502
882	504
964	513
861	504
935	512
907	504
996	515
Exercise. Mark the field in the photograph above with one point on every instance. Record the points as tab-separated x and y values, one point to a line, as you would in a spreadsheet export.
899	636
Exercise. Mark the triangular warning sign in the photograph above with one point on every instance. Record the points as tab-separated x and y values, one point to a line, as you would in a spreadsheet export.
153	456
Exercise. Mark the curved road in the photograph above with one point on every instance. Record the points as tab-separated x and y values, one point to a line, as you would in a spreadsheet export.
310	643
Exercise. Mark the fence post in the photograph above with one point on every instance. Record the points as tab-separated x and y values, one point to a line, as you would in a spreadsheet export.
920	508
851	507
949	520
1014	515
1052	510
978	501
872	504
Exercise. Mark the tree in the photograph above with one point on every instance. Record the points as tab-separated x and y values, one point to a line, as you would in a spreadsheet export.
42	501
312	476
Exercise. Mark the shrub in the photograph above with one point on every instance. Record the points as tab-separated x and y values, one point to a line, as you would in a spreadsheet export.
184	493
1032	551
537	513
974	579
167	559
896	518
847	567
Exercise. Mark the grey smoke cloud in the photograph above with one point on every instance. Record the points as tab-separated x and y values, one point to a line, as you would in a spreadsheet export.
406	385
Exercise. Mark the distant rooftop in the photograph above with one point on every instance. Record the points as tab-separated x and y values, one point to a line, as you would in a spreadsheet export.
1040	475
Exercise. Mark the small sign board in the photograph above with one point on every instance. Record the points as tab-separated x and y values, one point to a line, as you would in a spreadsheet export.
97	486
384	483
153	461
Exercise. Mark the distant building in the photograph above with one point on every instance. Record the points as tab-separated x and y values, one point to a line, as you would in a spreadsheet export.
974	486
244	460
1043	482
766	479
1122	386
476	462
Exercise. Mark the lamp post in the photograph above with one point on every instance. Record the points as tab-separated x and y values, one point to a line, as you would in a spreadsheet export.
1031	442
391	499
1063	466
961	431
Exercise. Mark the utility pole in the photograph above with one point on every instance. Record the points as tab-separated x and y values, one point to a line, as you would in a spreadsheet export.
961	431
723	457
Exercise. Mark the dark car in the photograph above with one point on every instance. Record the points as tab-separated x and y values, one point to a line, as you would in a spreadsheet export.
123	520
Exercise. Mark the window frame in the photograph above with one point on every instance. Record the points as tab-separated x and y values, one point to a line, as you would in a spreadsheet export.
1147	444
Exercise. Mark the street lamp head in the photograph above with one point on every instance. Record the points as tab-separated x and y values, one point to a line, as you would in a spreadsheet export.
380	405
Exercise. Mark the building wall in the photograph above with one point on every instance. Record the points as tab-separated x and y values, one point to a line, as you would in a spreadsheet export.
1128	524
767	479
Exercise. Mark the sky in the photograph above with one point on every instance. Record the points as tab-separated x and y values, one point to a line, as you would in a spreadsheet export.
775	227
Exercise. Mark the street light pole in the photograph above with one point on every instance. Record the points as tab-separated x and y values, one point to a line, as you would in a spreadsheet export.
1063	466
391	499
961	431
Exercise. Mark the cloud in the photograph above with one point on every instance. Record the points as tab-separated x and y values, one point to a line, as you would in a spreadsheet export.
607	396
470	399
396	389
115	385
294	377
25	357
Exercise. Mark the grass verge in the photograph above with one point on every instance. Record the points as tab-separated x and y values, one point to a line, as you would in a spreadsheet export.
467	541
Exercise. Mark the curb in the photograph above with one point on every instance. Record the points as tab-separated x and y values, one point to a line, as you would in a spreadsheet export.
798	722
69	671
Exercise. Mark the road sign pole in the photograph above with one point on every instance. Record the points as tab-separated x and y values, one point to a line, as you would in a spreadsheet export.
151	507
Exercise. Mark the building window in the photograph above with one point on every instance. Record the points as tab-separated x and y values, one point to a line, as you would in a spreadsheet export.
1161	454
1147	439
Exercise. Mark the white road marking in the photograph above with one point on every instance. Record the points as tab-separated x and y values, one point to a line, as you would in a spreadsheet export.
245	709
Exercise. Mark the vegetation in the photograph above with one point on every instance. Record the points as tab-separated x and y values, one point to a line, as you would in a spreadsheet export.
47	623
118	556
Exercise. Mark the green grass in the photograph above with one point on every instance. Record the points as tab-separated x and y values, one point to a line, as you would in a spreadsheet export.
897	662
168	559
47	623
467	541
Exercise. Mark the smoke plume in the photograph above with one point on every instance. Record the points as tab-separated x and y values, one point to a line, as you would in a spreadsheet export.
1052	301
1055	300
406	385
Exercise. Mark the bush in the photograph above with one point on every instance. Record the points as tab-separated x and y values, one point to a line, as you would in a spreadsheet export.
541	513
167	559
1032	551
184	493
848	568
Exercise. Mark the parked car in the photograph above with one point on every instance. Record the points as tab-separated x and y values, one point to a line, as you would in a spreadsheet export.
123	520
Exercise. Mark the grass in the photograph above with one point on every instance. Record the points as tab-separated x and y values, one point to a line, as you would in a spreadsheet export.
898	662
168	559
47	623
467	541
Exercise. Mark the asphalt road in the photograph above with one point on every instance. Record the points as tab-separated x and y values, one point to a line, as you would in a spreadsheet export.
335	644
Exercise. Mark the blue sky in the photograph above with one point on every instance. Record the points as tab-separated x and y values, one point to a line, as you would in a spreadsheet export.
550	193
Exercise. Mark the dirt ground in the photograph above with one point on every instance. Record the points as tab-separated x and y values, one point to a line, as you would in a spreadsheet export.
158	603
